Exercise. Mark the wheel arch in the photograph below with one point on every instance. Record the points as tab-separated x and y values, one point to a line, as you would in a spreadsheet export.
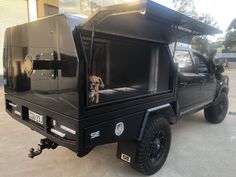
225	90
222	89
166	111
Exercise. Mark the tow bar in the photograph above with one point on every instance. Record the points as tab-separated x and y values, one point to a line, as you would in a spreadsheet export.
44	144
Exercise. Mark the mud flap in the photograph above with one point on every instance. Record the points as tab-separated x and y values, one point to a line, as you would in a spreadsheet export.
126	151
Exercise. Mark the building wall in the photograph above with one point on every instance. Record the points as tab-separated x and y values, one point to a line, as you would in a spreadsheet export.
44	6
86	7
12	12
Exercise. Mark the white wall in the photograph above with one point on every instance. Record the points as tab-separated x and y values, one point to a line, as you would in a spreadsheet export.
12	12
83	7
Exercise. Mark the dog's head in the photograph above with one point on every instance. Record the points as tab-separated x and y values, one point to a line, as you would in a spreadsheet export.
95	82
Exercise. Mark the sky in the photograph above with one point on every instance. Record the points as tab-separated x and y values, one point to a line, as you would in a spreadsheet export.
222	11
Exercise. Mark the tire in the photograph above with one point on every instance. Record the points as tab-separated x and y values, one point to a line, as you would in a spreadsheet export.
153	149
217	113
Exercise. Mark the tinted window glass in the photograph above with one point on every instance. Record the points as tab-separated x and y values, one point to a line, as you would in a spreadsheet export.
185	62
201	63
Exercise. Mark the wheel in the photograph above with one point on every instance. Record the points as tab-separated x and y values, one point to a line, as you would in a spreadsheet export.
153	149
217	112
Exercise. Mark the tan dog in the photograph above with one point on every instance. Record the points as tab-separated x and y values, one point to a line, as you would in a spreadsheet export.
95	83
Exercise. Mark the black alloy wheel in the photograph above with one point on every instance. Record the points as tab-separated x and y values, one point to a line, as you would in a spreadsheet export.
153	149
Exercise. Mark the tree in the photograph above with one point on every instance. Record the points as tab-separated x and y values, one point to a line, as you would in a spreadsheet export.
207	19
232	25
230	41
218	44
201	43
187	7
230	37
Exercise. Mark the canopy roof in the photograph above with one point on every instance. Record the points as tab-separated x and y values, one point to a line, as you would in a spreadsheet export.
147	20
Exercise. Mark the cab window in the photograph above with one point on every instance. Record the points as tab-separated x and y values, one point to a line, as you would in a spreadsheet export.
184	61
201	64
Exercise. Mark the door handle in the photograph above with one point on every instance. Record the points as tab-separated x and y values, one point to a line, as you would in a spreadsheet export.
183	84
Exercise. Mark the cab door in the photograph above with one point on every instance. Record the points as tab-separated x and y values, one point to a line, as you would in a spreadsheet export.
189	83
208	86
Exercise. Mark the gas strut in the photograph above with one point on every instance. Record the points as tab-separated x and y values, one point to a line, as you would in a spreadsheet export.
44	144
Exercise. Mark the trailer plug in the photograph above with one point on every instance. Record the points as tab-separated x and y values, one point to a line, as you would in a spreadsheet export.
44	144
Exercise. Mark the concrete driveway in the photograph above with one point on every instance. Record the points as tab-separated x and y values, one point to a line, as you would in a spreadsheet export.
198	149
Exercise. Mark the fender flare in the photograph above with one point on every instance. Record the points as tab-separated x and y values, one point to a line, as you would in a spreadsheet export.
165	110
223	88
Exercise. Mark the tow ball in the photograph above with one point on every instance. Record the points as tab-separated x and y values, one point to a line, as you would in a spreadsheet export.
44	144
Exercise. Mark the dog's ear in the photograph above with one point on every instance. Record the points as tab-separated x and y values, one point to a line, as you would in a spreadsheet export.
101	82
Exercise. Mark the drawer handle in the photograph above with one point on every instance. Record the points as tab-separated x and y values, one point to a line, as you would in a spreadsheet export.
13	105
58	133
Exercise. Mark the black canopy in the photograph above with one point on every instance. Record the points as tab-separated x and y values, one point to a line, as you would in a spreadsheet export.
147	20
